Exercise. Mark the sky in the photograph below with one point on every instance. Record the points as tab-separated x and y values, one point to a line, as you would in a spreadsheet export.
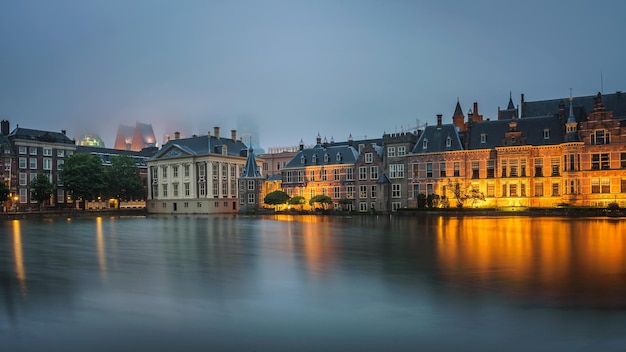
284	71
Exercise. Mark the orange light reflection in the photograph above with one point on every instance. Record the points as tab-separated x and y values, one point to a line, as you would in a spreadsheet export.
18	256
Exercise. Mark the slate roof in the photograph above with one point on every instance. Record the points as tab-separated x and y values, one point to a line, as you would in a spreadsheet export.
316	156
615	102
107	153
532	129
275	177
202	145
457	109
436	138
250	169
39	135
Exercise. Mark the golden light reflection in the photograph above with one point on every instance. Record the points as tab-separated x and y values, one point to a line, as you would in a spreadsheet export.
564	259
20	273
101	249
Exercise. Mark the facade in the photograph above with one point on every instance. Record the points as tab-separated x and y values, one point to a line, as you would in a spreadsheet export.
251	190
196	175
28	152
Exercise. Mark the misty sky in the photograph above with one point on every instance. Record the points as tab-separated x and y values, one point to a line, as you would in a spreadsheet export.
291	69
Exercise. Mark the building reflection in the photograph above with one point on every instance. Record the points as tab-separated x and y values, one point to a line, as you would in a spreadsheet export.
568	262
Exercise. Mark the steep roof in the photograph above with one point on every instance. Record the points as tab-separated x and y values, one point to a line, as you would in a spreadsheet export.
39	135
457	110
201	145
318	155
615	102
251	169
532	129
435	139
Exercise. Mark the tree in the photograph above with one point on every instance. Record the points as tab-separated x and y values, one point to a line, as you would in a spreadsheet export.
461	194
276	198
42	189
297	200
322	200
4	192
344	202
83	176
123	180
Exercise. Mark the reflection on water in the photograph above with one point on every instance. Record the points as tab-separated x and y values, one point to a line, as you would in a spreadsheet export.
568	262
314	283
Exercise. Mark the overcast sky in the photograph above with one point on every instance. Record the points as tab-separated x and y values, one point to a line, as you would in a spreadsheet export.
291	69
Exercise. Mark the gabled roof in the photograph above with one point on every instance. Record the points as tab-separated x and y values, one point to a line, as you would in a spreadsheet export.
251	169
532	129
319	155
39	135
199	146
435	140
615	102
383	179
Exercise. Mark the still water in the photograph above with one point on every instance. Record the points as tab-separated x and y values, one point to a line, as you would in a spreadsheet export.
285	283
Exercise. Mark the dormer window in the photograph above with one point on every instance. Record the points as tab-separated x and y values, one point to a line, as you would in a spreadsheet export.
546	133
325	158
448	142
302	160
338	158
314	159
425	143
483	138
224	149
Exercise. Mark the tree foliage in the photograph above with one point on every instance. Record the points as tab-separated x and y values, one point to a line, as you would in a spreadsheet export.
275	198
123	180
42	188
297	200
464	193
4	192
83	176
323	200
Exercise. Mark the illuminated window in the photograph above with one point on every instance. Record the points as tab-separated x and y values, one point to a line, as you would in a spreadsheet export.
363	191
600	161
555	164
513	190
555	189
538	167
491	190
522	167
349	192
539	189
503	164
475	169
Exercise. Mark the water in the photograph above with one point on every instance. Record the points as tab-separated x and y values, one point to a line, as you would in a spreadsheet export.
313	284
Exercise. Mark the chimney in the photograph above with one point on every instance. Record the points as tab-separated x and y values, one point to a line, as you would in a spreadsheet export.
439	116
325	143
208	133
301	144
216	132
176	135
233	135
350	140
64	132
318	139
4	127
522	106
475	109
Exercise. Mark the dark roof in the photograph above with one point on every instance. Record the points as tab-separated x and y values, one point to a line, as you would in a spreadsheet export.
251	169
457	109
532	129
615	102
275	177
39	135
383	179
436	140
106	153
319	155
201	145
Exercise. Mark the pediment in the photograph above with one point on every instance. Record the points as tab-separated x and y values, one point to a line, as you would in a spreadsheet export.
173	151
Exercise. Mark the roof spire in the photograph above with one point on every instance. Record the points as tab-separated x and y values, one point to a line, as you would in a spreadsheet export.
511	106
457	109
571	118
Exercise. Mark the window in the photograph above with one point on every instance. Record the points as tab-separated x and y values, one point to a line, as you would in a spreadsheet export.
395	206
187	191
186	170
546	133
336	192
23	195
623	185
59	153
69	152
33	163
601	185
363	173
429	170
396	171
503	165
522	167
302	160
483	138
349	192
401	151
623	160
555	164
373	172
175	190
338	157
349	174
361	147
362	191
164	190
369	158
491	168
216	189
491	190
23	179
513	190
22	163
300	176
164	171
22	150
555	189
600	137
47	151
539	189
425	143
47	164
312	175
475	169
323	172
325	158
522	190
250	185
250	198
372	191
538	167
363	206
457	169
600	161
391	152
225	189
442	169
395	190
33	151
448	142
202	189
60	195
314	159
175	171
